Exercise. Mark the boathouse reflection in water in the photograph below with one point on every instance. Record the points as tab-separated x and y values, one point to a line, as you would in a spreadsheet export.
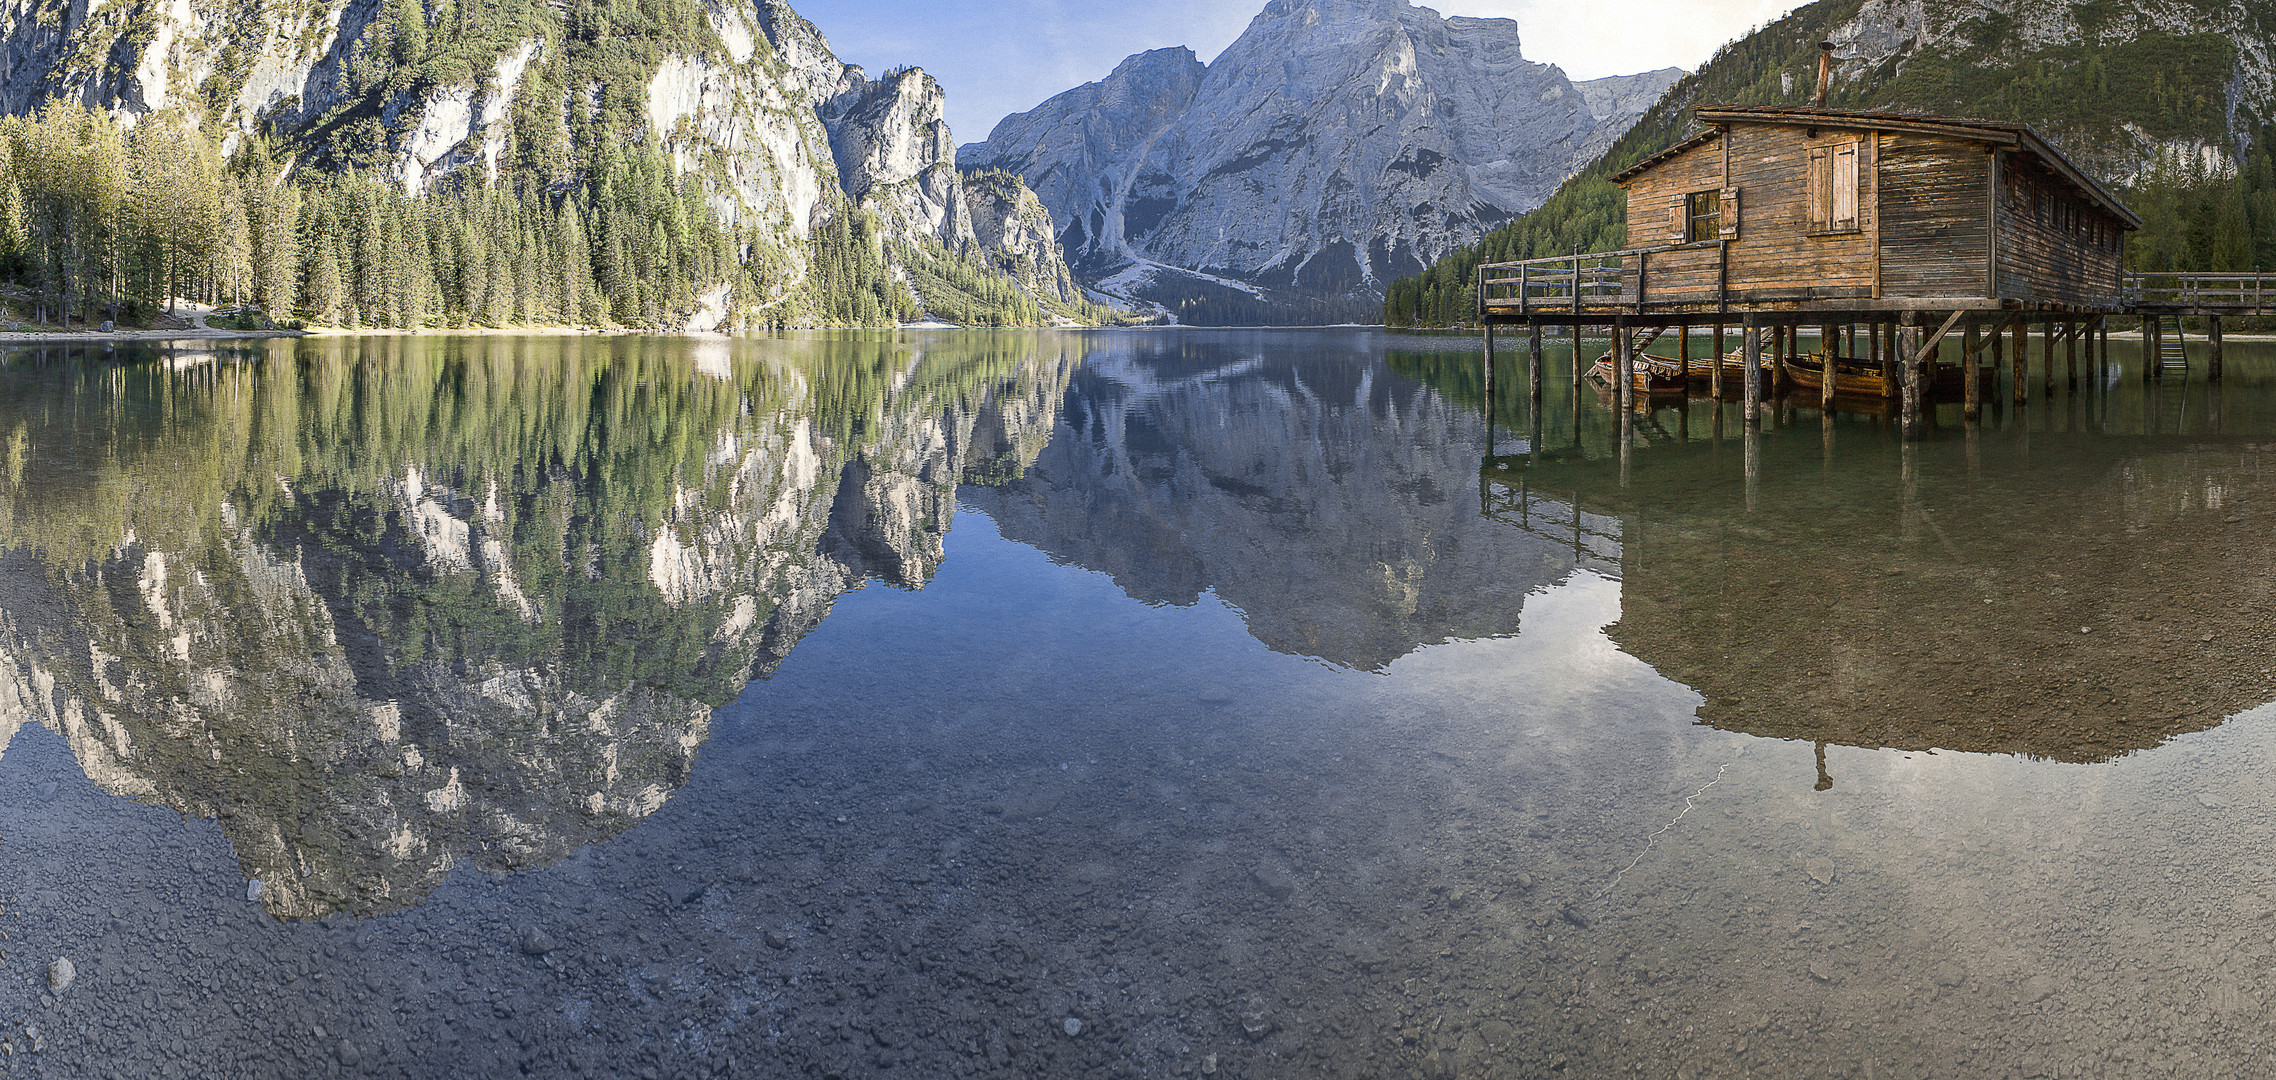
2074	581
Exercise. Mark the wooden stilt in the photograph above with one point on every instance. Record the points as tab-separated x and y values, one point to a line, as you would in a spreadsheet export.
1784	337
2213	342
1750	340
2022	359
1971	375
1533	376
1998	356
2070	355
1578	369
1715	374
1881	359
2149	348
2047	360
1488	365
1908	374
1683	351
1826	380
1624	363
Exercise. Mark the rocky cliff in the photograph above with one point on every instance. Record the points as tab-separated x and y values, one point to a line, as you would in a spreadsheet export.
1335	146
423	645
744	99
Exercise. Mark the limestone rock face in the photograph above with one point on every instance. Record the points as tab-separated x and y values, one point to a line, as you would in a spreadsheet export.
1334	147
1016	233
897	159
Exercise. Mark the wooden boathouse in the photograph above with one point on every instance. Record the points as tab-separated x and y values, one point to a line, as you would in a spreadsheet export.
1884	231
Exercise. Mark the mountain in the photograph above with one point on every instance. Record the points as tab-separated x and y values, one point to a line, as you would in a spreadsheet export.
688	163
2170	102
1335	146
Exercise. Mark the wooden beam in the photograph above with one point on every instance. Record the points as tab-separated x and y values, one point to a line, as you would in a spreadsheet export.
1938	336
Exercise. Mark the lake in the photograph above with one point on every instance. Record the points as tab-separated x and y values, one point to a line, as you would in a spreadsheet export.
1133	703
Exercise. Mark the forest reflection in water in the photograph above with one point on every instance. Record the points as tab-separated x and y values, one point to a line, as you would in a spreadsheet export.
1246	717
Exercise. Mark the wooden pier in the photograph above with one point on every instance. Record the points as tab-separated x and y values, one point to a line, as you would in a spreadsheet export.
1886	233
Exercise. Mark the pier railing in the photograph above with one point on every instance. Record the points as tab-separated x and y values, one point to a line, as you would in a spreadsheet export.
2187	290
1565	282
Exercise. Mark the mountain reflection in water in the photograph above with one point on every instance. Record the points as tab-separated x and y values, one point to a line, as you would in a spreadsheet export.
385	606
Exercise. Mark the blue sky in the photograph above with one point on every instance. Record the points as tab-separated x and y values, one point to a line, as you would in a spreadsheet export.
1005	56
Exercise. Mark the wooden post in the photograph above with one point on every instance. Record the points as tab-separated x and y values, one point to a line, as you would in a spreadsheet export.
1683	355
2047	360
2213	342
2022	360
2149	346
1533	375
1578	370
1715	375
1750	340
1971	375
1908	364
2103	373
1489	369
1884	345
2070	353
1782	347
1826	379
1624	363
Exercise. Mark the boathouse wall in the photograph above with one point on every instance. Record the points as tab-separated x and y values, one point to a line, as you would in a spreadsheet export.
1936	222
2054	246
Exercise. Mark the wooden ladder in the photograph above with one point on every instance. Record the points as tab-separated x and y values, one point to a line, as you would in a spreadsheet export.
2172	353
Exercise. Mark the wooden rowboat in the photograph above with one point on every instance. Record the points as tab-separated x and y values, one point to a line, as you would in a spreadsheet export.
1862	378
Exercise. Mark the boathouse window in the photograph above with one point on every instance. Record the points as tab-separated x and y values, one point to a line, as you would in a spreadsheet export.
1833	188
1703	217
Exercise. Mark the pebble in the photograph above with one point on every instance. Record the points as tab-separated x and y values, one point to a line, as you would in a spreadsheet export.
253	890
1276	883
1948	974
538	943
1209	1065
349	1056
776	939
2211	801
1071	1026
61	974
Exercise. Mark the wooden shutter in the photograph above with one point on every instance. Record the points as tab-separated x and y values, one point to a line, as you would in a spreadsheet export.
1730	212
1821	183
1842	214
1677	225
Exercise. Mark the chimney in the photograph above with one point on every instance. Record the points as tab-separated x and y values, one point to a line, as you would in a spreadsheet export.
1825	73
